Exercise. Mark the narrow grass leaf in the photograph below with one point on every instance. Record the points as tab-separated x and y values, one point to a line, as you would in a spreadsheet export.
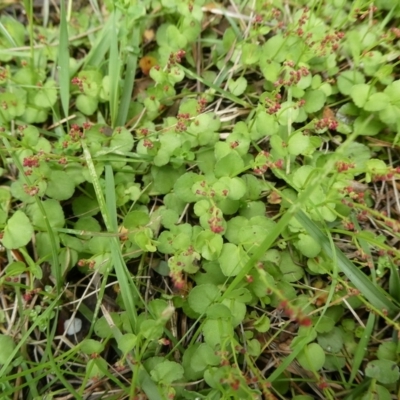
362	347
114	68
98	52
375	295
127	286
63	60
7	35
129	80
394	281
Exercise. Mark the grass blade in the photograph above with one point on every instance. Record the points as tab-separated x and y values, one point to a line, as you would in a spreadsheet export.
129	80
63	60
362	347
125	280
114	69
375	295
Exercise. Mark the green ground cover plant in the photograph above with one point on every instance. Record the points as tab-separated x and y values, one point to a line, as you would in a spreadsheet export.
200	200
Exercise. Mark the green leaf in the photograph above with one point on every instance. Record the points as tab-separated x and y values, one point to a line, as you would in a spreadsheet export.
263	324
18	231
203	357
230	165
266	125
202	296
366	124
7	346
47	95
250	53
167	372
208	244
308	246
288	113
164	178
183	187
127	342
121	140
360	93
217	331
232	259
151	330
237	87
347	79
238	310
384	371
274	49
90	346
86	105
136	218
332	341
312	358
102	328
315	100
291	272
298	143
377	102
54	213
96	368
60	186
387	351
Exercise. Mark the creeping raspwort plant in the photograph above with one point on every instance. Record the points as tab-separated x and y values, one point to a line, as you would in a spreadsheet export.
210	189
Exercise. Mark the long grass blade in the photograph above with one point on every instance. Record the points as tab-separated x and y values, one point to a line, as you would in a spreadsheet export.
63	60
374	294
129	80
362	347
114	70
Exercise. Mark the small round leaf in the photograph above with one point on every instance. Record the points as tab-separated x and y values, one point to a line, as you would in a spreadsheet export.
202	296
312	358
384	371
18	231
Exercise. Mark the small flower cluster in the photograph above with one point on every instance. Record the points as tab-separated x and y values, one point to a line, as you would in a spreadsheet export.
342	166
143	132
273	105
294	314
75	135
326	122
354	195
201	105
216	220
3	74
182	123
78	82
294	76
86	263
387	177
364	14
175	58
263	163
31	162
395	31
177	279
30	190
331	40
207	192
148	143
30	293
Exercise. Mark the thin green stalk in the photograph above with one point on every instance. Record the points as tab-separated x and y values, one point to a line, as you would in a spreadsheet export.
63	60
114	69
130	72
